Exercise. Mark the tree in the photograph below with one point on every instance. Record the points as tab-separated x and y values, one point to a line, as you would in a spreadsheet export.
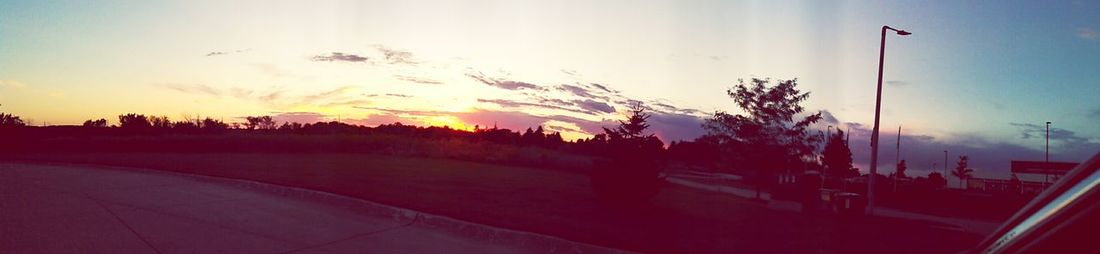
837	157
260	122
96	123
133	122
962	170
936	180
901	169
9	120
212	125
629	173
160	122
768	127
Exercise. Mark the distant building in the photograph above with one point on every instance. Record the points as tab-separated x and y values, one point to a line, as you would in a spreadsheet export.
1048	171
1002	185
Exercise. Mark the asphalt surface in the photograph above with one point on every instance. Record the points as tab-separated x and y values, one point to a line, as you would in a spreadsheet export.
83	209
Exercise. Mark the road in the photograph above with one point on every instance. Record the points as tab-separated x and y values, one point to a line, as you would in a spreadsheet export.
967	225
84	209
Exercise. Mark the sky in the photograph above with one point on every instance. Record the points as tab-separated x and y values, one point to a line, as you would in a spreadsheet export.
976	77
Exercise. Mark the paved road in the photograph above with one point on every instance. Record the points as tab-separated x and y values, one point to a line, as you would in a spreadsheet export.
968	225
74	209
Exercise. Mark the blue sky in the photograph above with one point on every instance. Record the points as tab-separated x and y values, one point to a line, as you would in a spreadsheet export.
973	78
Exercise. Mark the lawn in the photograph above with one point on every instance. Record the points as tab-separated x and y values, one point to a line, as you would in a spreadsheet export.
559	203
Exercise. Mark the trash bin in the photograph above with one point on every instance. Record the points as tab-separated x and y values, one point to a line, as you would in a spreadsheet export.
849	204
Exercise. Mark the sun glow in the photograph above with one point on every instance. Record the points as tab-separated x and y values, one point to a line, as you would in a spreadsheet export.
441	121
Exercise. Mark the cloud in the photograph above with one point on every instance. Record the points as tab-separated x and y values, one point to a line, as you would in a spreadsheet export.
356	102
339	57
662	107
559	128
990	158
275	71
503	84
517	104
675	127
560	102
12	84
193	89
594	106
380	119
398	95
1095	114
340	91
220	53
667	126
580	91
604	88
298	117
828	118
270	97
241	93
1087	33
394	56
897	83
417	80
1030	130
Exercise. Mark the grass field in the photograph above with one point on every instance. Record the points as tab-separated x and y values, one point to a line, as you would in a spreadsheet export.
559	203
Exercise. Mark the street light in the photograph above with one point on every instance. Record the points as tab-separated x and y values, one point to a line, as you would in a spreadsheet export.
1047	171
828	136
874	133
945	164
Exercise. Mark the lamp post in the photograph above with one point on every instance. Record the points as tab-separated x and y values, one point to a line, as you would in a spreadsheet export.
1047	170
874	132
828	136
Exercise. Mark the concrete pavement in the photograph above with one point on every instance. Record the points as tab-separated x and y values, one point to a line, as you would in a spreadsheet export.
82	209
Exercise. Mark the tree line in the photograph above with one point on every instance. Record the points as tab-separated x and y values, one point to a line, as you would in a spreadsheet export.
772	135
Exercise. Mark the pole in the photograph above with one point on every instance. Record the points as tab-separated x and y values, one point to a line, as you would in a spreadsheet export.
945	164
897	163
828	138
874	131
1046	170
821	160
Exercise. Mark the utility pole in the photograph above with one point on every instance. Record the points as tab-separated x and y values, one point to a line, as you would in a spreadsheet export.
897	157
945	164
1046	167
828	137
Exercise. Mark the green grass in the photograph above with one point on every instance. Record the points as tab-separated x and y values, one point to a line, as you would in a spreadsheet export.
559	203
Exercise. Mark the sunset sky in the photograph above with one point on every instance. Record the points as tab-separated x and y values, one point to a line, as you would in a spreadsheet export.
976	77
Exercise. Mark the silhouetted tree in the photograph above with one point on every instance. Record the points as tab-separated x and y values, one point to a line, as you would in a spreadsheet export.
160	122
769	131
700	152
936	180
554	140
837	157
901	169
533	137
9	120
133	122
96	123
260	122
630	173
962	170
213	125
